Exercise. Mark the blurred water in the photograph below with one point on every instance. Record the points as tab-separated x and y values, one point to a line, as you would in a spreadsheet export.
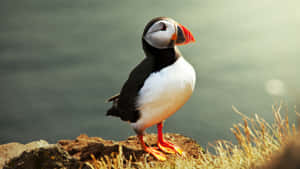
60	60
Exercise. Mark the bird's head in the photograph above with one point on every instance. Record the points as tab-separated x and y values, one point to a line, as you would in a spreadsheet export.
163	32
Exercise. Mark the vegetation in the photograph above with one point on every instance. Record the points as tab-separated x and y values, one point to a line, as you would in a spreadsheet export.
257	140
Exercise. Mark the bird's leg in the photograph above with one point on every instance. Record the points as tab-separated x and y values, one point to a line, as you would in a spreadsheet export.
165	145
153	151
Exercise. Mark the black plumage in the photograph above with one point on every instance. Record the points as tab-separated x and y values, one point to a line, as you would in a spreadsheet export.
124	104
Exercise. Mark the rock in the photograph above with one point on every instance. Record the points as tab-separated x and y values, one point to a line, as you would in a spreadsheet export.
38	154
83	146
69	154
11	150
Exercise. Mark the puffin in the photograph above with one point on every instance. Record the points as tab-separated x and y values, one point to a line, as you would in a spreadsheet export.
159	85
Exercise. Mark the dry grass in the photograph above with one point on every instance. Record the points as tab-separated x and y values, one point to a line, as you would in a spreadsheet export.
257	140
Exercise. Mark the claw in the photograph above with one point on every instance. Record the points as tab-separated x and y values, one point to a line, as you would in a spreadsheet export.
178	150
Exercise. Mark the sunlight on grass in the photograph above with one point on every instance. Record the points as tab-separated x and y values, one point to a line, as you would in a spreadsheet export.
257	140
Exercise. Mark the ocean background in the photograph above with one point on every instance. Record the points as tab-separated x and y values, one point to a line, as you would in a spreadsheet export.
60	61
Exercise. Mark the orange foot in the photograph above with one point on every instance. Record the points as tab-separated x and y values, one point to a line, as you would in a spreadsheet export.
152	150
168	147
165	145
157	154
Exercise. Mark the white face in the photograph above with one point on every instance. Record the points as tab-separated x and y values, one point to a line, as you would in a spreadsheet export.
160	34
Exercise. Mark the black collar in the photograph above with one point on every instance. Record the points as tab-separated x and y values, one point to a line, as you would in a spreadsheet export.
162	57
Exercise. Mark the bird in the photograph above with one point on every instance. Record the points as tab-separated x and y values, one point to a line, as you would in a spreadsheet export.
159	85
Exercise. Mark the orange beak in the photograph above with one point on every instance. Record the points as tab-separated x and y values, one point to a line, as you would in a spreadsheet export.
183	36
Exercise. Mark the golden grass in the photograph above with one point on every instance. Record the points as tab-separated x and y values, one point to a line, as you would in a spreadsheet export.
257	140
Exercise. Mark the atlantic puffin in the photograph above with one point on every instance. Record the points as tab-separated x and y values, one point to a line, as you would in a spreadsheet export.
159	85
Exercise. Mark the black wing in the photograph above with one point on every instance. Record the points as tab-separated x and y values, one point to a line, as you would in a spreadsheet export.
124	104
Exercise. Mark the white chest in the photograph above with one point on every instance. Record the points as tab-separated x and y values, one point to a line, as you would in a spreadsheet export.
164	92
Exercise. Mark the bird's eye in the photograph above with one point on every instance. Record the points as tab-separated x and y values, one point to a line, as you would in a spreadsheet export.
164	27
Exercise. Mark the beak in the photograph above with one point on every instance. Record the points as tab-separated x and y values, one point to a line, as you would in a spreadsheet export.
182	36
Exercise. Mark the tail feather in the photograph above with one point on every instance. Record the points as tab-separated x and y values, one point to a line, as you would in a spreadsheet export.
131	116
113	98
113	111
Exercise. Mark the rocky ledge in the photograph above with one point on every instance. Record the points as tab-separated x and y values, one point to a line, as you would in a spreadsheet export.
75	153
